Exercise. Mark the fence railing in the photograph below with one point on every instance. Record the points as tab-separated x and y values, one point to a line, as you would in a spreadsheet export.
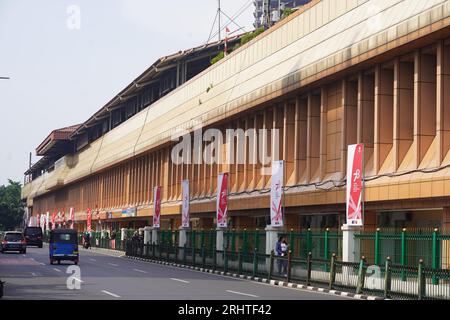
389	281
406	247
321	243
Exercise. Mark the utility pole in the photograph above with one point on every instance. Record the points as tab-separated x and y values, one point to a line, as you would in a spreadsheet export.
219	12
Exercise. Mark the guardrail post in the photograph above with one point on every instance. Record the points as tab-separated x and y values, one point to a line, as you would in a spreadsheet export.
309	269
153	251
193	256
332	270
289	266
271	261
291	240
377	247
308	241
326	246
403	252
240	261
177	251
203	256
361	275
168	252
215	259
225	260
184	254
160	250
387	278
421	280
255	262
435	256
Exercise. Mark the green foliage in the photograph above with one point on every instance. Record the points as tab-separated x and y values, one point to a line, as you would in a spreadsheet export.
287	12
244	39
217	58
11	207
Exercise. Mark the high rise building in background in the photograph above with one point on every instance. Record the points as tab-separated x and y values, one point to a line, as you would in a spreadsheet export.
271	8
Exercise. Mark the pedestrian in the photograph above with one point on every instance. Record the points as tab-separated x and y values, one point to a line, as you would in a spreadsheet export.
281	250
284	250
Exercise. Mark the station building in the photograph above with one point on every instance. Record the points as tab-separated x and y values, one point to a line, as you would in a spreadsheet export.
334	73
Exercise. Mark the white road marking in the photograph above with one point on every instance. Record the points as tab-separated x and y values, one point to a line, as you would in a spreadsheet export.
141	271
57	270
113	264
111	294
42	264
92	259
34	274
241	293
76	279
175	279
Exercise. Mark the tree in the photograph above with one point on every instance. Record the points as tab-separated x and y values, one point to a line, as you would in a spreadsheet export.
11	206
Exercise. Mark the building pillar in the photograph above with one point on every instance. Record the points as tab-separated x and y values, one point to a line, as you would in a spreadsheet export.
219	245
155	235
350	246
271	238
147	235
182	240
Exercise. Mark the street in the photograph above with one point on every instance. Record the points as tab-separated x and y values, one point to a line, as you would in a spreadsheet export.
104	276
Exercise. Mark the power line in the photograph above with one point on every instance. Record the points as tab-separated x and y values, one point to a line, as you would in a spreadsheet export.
235	16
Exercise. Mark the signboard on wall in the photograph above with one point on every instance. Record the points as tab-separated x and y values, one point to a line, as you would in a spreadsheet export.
222	200
157	206
185	204
129	212
276	194
355	184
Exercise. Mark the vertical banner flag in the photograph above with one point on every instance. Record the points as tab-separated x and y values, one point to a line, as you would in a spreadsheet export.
38	219
53	220
157	206
47	221
276	194
185	204
89	220
355	184
71	217
43	222
222	200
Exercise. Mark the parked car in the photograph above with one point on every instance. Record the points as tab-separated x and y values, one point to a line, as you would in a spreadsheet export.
13	241
33	236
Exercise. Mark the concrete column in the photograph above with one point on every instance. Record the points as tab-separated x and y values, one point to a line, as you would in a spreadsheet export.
147	235
350	246
271	238
182	240
219	245
154	235
123	234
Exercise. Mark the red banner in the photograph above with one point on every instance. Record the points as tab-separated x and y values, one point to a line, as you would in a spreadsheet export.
222	200
89	220
71	217
355	184
53	220
157	206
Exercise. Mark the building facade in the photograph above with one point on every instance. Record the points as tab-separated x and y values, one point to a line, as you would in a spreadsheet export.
334	73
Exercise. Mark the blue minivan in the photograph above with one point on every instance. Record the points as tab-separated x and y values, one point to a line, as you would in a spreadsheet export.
63	246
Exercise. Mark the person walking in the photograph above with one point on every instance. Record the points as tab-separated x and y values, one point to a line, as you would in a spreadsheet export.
281	251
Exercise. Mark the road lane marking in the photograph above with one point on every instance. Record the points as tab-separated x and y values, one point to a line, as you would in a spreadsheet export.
34	274
57	270
111	294
79	280
175	279
113	264
141	271
42	264
241	293
92	259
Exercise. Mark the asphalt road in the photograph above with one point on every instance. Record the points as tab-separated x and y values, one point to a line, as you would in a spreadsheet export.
104	277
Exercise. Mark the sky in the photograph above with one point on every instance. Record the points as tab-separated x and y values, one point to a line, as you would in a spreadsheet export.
67	59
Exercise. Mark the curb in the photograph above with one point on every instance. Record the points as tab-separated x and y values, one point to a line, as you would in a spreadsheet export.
263	280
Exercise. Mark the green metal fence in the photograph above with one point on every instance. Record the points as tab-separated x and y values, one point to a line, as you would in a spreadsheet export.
245	240
321	243
201	238
406	247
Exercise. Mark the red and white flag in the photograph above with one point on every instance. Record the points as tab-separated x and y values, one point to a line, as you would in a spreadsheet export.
185	204
157	206
276	194
355	184
89	220
53	220
71	217
222	200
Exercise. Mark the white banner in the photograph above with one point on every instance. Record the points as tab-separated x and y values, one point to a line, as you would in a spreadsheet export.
156	207
355	184
185	204
222	200
276	194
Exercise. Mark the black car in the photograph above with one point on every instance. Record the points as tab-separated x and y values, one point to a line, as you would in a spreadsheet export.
33	236
13	241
